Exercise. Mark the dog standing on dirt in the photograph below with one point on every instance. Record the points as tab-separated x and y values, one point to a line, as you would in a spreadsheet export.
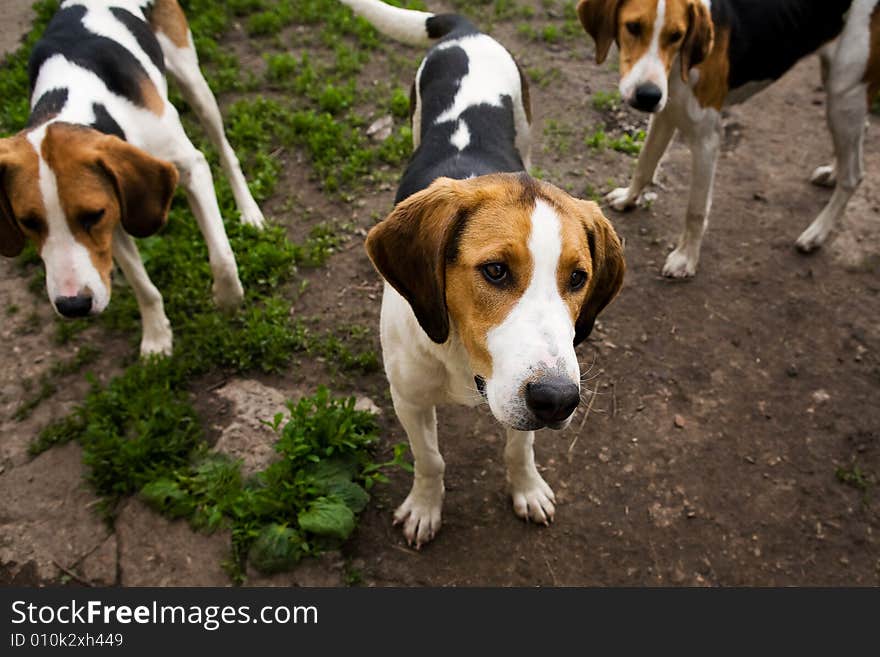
98	162
684	60
492	277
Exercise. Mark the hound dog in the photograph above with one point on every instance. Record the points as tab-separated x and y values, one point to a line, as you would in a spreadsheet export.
684	60
492	277
98	161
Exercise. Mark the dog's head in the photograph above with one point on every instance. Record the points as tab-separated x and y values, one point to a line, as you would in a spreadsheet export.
67	188
517	270
650	35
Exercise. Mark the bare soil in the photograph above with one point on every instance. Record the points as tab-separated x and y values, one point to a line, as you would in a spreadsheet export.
769	361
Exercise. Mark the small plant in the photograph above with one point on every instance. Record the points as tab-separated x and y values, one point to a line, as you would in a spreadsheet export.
628	144
606	101
598	140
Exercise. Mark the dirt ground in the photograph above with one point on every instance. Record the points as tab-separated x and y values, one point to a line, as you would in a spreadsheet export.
771	360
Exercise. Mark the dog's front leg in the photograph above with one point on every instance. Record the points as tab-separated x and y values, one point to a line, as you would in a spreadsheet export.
420	512
682	262
195	177
660	133
533	499
156	333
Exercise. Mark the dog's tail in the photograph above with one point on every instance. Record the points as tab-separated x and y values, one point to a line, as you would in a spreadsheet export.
416	28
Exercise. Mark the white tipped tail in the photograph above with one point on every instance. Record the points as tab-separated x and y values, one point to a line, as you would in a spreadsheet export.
404	25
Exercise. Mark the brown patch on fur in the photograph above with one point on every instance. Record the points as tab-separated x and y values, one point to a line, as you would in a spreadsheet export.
167	17
19	196
433	246
97	172
152	100
872	72
599	20
712	87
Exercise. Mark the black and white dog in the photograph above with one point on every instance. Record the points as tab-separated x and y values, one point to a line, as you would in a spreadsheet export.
492	277
98	162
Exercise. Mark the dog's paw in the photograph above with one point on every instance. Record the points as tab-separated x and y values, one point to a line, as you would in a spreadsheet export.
621	199
227	290
813	237
157	345
679	265
253	216
532	498
824	176
420	513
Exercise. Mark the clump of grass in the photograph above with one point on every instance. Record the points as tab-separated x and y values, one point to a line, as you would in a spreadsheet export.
625	143
302	503
606	101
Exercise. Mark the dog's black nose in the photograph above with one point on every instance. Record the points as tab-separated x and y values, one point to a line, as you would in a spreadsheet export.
552	399
647	97
78	306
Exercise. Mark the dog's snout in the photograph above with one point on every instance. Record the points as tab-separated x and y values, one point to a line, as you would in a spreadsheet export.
552	400
78	306
647	97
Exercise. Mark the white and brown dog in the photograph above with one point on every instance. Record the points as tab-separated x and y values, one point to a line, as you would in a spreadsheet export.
492	277
99	160
684	60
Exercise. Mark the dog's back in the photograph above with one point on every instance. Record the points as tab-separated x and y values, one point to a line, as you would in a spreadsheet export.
469	100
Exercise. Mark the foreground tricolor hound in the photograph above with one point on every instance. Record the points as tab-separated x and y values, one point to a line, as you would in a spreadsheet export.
99	160
686	59
492	277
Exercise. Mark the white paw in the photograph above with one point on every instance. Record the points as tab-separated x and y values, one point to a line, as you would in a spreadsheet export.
824	176
679	265
813	237
621	199
420	512
532	498
253	216
227	289
157	345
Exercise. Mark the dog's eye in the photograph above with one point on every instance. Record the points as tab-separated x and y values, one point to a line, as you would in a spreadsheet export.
495	272
31	223
634	28
578	279
89	220
675	37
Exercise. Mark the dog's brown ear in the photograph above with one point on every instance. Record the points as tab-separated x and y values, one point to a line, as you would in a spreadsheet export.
144	185
609	267
409	248
11	238
699	39
599	18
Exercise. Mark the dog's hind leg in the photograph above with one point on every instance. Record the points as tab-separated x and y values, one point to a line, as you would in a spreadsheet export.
826	176
420	512
532	498
156	334
660	133
182	64
849	81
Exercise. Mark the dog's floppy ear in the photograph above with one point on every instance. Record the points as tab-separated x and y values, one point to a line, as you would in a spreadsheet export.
699	39
609	267
144	185
409	248
11	238
599	18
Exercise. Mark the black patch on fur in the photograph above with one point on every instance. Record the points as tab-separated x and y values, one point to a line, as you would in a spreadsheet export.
449	25
458	223
768	37
105	123
144	35
591	241
115	65
48	105
492	147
